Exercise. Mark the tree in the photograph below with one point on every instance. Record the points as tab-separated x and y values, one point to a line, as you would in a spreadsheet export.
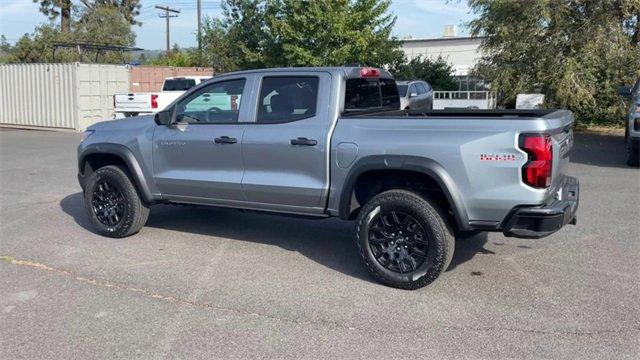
333	32
436	72
54	8
128	8
103	25
176	57
98	25
577	52
267	33
5	49
217	48
63	8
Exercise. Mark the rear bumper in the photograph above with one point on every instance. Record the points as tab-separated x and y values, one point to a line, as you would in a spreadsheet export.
540	221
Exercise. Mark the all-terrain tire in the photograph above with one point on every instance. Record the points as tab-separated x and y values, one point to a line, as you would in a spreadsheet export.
439	235
134	211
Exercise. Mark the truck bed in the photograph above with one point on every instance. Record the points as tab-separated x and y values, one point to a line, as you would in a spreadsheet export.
477	149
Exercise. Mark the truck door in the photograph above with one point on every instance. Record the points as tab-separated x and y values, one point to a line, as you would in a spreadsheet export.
285	150
199	157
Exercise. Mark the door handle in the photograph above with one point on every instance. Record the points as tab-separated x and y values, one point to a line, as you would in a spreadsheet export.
304	141
225	140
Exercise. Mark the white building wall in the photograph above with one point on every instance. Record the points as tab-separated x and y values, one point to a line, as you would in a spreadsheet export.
461	52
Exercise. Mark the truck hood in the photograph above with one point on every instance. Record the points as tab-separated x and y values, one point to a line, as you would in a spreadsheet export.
131	123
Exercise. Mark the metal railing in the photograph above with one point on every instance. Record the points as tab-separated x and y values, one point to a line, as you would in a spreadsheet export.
464	99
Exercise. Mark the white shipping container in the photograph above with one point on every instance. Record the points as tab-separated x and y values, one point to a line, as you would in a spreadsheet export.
69	96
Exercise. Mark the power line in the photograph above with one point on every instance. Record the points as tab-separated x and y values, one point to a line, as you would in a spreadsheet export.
167	16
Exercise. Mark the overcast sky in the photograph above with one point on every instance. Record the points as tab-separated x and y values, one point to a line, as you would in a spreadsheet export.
416	18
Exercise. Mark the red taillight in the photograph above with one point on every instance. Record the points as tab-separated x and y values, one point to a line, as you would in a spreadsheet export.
154	101
537	171
369	72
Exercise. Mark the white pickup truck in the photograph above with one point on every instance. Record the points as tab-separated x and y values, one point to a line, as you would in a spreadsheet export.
134	104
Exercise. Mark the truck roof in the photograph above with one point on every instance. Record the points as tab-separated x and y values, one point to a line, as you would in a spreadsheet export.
346	71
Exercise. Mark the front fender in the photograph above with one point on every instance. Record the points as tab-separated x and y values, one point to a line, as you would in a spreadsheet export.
121	151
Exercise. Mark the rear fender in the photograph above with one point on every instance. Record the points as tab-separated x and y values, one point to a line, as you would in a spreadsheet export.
408	163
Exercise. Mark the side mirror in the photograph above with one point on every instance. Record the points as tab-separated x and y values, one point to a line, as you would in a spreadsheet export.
413	94
163	117
624	91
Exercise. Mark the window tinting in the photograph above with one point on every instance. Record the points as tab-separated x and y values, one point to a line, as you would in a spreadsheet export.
421	89
362	94
178	84
284	99
389	93
214	103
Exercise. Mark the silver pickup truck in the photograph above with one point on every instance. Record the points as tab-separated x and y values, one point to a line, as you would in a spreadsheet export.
332	142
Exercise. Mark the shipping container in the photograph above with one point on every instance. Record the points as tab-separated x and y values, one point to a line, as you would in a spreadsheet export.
68	96
150	78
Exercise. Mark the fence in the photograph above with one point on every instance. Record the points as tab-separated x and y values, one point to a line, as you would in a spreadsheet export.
71	96
464	99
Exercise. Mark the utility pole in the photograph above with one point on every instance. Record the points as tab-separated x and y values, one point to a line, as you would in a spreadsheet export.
199	24
167	16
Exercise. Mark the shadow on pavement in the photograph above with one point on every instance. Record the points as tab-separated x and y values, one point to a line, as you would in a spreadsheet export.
599	150
326	241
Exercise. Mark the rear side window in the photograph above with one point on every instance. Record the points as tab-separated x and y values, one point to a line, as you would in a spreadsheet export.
178	84
364	94
285	99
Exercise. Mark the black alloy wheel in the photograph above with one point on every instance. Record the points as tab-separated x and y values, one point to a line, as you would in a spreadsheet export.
113	204
398	241
404	239
108	203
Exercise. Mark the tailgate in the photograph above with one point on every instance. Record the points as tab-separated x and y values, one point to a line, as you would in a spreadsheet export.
561	123
133	102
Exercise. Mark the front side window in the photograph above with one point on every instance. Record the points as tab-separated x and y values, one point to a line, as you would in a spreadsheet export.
214	103
287	98
413	90
421	89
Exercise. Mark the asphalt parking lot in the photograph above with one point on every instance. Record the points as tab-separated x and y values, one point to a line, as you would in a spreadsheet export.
213	283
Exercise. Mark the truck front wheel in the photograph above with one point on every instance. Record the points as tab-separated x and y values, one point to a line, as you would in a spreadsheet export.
113	204
404	239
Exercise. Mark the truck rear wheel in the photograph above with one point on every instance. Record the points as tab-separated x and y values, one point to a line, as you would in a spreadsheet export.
404	239
113	204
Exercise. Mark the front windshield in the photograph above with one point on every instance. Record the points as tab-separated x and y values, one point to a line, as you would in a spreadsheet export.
402	90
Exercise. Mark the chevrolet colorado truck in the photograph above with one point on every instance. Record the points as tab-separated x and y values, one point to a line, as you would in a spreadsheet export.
333	142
